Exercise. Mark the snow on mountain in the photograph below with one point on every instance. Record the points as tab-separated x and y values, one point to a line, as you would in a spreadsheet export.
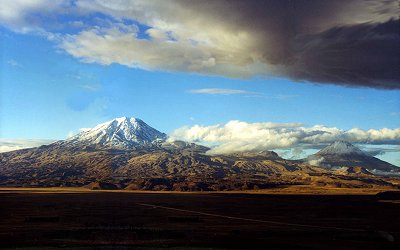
123	132
340	148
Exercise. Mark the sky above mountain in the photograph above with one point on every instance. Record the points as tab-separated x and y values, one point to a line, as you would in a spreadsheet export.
284	75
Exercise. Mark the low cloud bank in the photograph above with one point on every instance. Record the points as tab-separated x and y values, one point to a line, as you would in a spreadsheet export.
237	136
16	144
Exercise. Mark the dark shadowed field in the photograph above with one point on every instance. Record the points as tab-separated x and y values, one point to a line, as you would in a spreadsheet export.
215	220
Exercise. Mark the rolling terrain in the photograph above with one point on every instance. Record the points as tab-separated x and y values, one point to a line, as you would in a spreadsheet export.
126	153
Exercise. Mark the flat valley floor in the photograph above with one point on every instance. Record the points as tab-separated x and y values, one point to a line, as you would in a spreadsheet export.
141	220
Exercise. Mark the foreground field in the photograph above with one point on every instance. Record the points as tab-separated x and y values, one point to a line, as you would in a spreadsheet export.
76	218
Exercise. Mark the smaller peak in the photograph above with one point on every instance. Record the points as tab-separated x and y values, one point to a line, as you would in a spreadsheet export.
341	147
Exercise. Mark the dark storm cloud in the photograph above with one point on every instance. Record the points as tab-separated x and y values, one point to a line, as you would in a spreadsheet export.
354	43
358	55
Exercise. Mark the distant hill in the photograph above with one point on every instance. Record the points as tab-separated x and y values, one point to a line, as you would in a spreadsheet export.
344	154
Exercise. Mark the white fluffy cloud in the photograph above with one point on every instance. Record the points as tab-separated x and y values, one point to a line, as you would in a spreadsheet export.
121	45
238	136
181	39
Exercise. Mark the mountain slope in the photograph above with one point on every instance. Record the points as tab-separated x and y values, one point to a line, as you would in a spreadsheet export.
344	154
160	168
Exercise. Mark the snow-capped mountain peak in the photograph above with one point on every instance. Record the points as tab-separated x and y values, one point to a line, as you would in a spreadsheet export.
340	148
122	132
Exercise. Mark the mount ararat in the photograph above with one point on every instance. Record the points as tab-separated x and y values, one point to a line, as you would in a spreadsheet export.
126	153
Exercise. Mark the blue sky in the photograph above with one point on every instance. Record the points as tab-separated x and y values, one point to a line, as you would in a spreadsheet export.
55	90
49	92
